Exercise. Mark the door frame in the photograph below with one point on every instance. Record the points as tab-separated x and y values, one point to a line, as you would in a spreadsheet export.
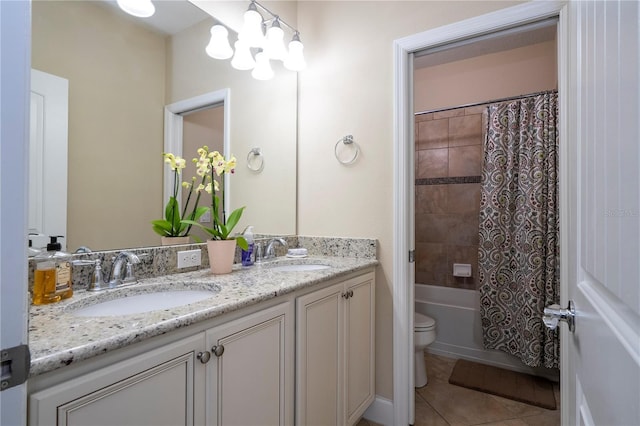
404	185
173	133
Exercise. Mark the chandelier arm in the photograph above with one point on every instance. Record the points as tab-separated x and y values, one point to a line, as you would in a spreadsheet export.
274	16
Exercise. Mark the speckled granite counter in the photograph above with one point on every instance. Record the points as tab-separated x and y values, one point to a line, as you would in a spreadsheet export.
57	338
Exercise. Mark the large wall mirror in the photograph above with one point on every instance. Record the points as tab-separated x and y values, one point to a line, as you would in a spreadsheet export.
121	74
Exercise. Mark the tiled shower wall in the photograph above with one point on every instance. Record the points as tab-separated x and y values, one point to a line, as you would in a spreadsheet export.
448	171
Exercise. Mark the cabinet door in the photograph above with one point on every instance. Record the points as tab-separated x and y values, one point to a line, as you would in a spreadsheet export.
319	354
360	346
250	382
158	388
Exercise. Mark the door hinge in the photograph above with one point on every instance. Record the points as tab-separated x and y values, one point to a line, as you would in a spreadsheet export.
412	256
15	366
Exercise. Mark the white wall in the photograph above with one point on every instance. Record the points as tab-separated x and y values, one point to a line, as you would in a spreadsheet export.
348	89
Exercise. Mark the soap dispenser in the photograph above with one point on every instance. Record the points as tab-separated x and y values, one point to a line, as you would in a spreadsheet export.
247	254
63	267
44	281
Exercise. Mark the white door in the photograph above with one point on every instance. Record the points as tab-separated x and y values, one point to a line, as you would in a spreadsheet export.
48	141
15	18
603	367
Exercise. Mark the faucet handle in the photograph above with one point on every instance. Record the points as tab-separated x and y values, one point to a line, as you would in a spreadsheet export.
257	248
97	280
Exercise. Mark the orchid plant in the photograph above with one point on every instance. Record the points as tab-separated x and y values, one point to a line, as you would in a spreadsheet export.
173	224
209	166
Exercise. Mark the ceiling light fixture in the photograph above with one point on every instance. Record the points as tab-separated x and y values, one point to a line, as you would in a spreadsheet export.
219	47
252	35
139	8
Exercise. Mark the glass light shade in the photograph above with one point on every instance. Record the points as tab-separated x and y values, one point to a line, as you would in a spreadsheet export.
263	70
219	47
251	32
295	60
274	46
242	59
139	8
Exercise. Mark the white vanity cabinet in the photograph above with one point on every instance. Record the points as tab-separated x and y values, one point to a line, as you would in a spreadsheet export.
335	380
162	387
250	375
236	373
241	368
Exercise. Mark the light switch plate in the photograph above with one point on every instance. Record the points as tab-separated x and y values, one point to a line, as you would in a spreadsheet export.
189	258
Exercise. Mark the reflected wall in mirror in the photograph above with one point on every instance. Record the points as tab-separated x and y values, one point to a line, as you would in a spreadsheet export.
121	75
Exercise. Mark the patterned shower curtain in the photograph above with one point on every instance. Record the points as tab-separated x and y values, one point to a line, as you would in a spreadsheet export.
518	255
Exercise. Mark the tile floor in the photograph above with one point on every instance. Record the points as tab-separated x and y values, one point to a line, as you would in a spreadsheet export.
442	404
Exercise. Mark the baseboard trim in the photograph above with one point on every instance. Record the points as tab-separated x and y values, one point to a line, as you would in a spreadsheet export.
380	411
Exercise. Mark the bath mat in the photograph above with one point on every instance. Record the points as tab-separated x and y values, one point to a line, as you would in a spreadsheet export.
520	387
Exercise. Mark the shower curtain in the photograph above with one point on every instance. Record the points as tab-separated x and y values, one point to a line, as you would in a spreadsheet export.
518	250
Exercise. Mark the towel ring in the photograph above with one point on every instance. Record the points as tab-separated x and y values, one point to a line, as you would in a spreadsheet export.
347	140
255	160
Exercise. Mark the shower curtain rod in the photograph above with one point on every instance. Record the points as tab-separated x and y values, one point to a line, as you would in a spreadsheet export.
495	101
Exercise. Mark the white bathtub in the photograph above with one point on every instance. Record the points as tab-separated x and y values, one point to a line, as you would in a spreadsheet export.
459	330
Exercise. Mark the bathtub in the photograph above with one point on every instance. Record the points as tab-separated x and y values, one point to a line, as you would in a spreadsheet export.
459	330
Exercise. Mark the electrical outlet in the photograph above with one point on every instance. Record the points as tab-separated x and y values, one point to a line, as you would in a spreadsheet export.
189	258
206	217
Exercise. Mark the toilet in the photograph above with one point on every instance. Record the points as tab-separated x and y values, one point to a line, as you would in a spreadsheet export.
424	333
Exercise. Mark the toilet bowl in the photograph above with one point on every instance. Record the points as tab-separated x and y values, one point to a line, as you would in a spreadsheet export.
424	333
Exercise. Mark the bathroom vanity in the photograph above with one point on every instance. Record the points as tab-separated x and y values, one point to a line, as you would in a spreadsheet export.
272	345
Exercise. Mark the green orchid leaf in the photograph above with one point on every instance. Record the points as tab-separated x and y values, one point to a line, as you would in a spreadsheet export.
211	231
161	227
242	243
234	217
172	214
170	209
199	212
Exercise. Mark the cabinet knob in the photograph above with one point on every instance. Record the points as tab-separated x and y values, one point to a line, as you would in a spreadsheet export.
347	294
218	350
204	357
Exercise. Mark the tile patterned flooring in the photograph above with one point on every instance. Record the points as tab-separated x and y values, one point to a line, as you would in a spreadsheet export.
442	404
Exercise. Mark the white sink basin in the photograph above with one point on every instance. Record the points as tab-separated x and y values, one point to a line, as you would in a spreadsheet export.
300	267
146	302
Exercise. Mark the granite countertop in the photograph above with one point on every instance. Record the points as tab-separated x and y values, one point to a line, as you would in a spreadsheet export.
57	338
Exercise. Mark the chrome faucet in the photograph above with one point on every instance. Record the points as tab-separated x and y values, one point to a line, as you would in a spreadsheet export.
122	269
269	251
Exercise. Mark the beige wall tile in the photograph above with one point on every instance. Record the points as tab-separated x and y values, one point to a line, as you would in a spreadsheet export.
461	230
432	163
465	161
432	134
463	198
431	198
478	109
466	130
424	117
449	113
432	228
